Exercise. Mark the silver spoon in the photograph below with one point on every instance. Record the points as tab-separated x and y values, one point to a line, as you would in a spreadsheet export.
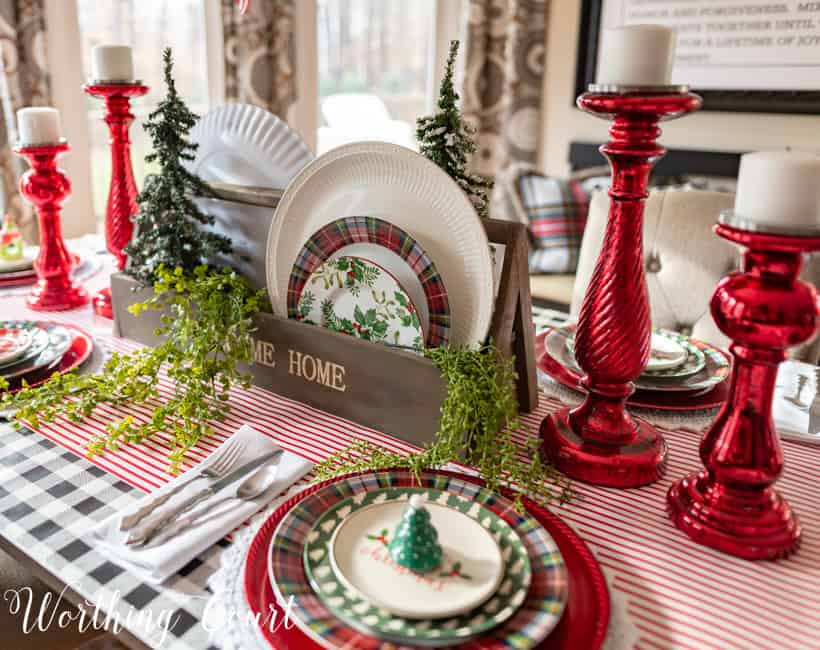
252	487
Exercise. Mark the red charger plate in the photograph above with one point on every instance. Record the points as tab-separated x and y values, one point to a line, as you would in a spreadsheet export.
661	401
77	354
583	624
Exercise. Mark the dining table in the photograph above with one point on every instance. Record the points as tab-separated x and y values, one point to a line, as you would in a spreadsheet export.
666	590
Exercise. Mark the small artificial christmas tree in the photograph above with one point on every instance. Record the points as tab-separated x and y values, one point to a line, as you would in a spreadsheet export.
168	224
447	139
415	545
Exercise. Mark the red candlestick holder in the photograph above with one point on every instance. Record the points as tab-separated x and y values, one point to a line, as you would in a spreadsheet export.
122	194
46	187
599	441
765	309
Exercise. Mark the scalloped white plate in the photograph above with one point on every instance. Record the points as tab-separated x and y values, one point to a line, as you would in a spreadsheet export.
245	145
404	188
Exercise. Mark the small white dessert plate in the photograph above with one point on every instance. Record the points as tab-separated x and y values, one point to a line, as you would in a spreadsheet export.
665	353
469	550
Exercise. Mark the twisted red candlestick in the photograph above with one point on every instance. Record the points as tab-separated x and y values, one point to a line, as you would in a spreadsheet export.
599	441
122	194
765	309
46	187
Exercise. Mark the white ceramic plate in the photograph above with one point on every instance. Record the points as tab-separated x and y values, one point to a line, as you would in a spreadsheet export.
465	542
246	145
24	263
406	189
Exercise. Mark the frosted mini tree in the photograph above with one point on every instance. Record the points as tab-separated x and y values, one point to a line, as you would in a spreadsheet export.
447	139
168	224
415	545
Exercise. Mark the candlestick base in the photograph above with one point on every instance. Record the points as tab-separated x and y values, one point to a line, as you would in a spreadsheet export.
633	463
755	525
56	295
102	303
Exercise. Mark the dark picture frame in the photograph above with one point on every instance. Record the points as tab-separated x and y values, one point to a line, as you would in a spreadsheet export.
803	102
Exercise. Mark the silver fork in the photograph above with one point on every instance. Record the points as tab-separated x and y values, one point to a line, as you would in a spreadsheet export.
216	470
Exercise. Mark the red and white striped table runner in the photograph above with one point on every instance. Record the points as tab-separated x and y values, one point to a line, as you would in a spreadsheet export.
679	594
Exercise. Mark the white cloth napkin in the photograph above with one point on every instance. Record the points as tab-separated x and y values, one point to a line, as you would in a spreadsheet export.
796	405
220	513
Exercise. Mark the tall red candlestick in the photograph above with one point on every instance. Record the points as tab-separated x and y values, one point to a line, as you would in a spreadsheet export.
122	194
765	309
46	187
599	441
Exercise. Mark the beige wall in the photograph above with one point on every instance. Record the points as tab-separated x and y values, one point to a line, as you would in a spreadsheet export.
714	131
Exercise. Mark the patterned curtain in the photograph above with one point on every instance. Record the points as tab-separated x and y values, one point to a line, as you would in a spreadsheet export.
260	54
503	83
23	82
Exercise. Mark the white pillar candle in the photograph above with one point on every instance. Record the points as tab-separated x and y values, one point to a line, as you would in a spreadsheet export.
112	63
780	188
636	55
38	125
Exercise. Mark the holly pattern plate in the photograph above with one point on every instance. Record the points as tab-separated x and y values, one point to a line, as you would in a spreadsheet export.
439	588
529	626
359	298
391	248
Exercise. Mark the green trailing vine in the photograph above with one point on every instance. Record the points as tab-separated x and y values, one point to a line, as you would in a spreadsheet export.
479	417
207	334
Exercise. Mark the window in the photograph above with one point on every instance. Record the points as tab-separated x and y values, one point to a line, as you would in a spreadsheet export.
375	61
147	27
366	70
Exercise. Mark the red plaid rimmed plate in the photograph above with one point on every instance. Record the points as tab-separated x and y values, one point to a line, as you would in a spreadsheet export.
77	353
582	625
405	259
672	401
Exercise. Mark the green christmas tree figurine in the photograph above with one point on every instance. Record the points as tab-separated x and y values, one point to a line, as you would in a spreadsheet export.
415	545
447	139
168	224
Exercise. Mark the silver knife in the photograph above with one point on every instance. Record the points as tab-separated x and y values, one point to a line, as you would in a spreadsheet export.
143	534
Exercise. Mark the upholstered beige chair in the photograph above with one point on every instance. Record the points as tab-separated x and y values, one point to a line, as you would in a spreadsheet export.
683	260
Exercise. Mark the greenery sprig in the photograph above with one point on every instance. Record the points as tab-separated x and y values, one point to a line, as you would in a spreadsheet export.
479	418
207	334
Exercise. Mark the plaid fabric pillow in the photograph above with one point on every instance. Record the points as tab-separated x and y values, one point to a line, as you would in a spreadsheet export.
557	213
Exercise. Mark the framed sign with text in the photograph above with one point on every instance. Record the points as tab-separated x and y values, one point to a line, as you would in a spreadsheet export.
759	56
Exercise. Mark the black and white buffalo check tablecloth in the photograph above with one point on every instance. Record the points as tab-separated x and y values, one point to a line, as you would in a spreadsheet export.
50	499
